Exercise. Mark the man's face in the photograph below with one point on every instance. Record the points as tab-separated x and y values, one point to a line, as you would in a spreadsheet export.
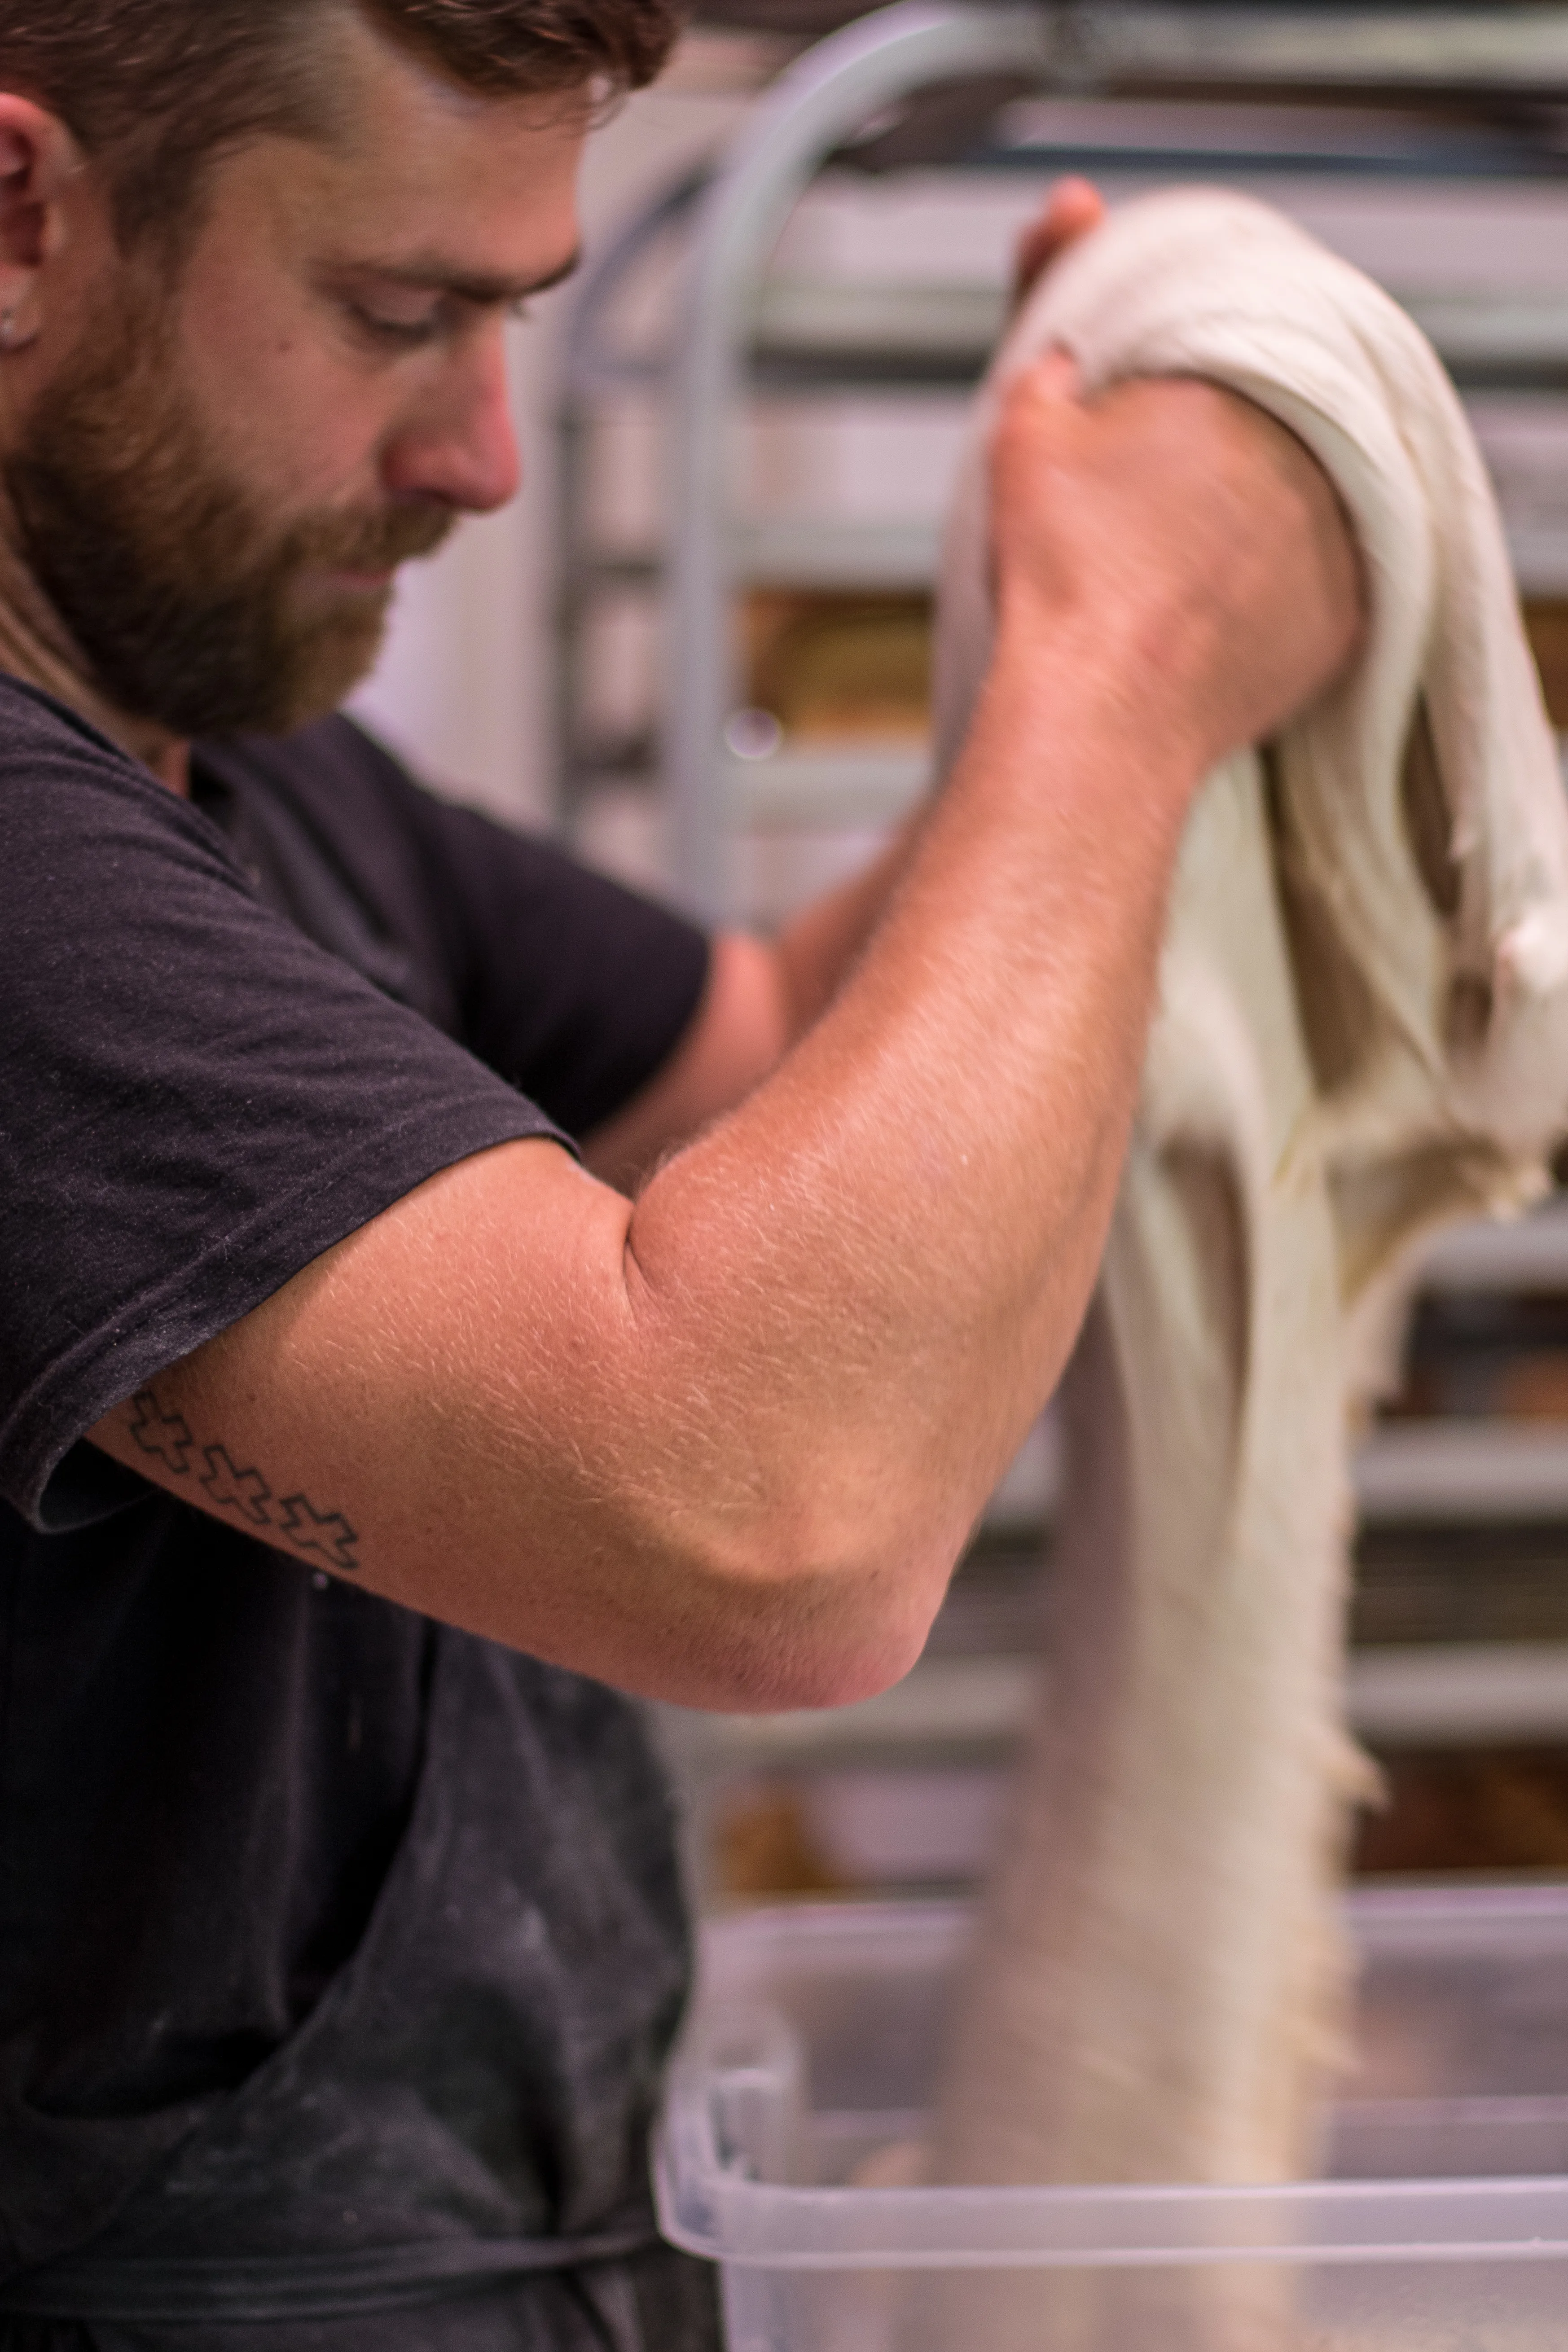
219	479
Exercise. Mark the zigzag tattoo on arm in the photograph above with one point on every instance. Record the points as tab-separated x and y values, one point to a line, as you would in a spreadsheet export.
293	1520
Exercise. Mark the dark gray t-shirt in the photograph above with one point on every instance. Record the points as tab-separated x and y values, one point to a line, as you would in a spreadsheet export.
234	1030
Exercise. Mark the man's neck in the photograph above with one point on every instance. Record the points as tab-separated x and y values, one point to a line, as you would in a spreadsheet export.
36	647
172	766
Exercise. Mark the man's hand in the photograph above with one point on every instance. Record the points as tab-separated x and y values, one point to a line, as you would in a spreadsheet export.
1179	513
1194	535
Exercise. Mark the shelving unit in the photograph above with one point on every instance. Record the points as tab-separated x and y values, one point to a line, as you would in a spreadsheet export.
1461	95
702	318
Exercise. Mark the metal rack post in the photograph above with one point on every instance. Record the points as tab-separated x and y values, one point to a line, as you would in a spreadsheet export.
811	110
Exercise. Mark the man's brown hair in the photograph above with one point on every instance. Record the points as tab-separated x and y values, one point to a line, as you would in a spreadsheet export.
153	90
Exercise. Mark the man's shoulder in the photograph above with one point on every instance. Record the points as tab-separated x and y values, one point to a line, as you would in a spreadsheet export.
34	725
72	797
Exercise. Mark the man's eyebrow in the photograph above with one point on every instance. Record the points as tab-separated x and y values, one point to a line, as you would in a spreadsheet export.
435	275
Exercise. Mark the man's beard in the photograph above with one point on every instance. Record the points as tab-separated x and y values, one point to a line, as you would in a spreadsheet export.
186	605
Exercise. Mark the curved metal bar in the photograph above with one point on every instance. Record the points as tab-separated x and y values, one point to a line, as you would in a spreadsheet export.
813	107
590	367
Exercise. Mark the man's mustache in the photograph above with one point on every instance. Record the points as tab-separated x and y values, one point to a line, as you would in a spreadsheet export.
368	543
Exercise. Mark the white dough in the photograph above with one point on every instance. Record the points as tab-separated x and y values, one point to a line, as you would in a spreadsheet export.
1363	1031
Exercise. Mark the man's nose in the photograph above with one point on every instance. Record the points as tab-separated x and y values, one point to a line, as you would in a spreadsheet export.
462	448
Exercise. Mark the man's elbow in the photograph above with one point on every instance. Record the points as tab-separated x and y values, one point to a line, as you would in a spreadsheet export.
799	1632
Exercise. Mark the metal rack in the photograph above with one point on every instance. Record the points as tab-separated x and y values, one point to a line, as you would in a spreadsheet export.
1400	93
1460	92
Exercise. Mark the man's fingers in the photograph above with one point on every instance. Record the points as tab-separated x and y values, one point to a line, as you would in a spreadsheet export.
1074	208
1039	413
1057	376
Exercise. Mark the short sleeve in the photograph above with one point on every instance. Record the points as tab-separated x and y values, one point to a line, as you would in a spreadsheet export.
195	1100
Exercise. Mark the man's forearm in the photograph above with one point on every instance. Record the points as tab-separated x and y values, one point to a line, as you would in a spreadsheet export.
817	948
881	1260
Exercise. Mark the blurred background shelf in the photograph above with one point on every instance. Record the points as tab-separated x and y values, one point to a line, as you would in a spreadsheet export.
1524	1255
1447	1473
827	336
976	1709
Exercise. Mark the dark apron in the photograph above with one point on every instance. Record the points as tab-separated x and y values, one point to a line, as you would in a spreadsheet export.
452	2149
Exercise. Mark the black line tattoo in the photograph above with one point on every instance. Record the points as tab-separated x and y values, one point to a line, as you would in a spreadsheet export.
160	1432
327	1532
294	1520
236	1490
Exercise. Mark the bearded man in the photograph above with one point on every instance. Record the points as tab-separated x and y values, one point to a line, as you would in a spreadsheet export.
361	1442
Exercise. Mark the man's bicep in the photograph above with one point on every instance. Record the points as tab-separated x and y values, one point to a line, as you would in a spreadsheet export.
406	1411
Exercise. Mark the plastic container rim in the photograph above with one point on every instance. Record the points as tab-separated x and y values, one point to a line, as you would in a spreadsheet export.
712	2208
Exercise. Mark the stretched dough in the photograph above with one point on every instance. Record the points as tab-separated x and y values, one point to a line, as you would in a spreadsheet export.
1363	1031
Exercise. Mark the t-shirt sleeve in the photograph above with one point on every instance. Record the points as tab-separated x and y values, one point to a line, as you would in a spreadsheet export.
572	986
194	1099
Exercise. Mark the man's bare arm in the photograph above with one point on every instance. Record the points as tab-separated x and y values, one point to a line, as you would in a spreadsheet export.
763	994
724	1446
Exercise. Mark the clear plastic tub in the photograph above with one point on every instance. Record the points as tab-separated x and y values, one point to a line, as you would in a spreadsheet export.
1441	2225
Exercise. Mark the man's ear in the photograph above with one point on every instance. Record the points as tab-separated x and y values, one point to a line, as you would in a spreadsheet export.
39	164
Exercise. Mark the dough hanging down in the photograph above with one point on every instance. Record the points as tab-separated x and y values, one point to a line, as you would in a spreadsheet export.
1362	1032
